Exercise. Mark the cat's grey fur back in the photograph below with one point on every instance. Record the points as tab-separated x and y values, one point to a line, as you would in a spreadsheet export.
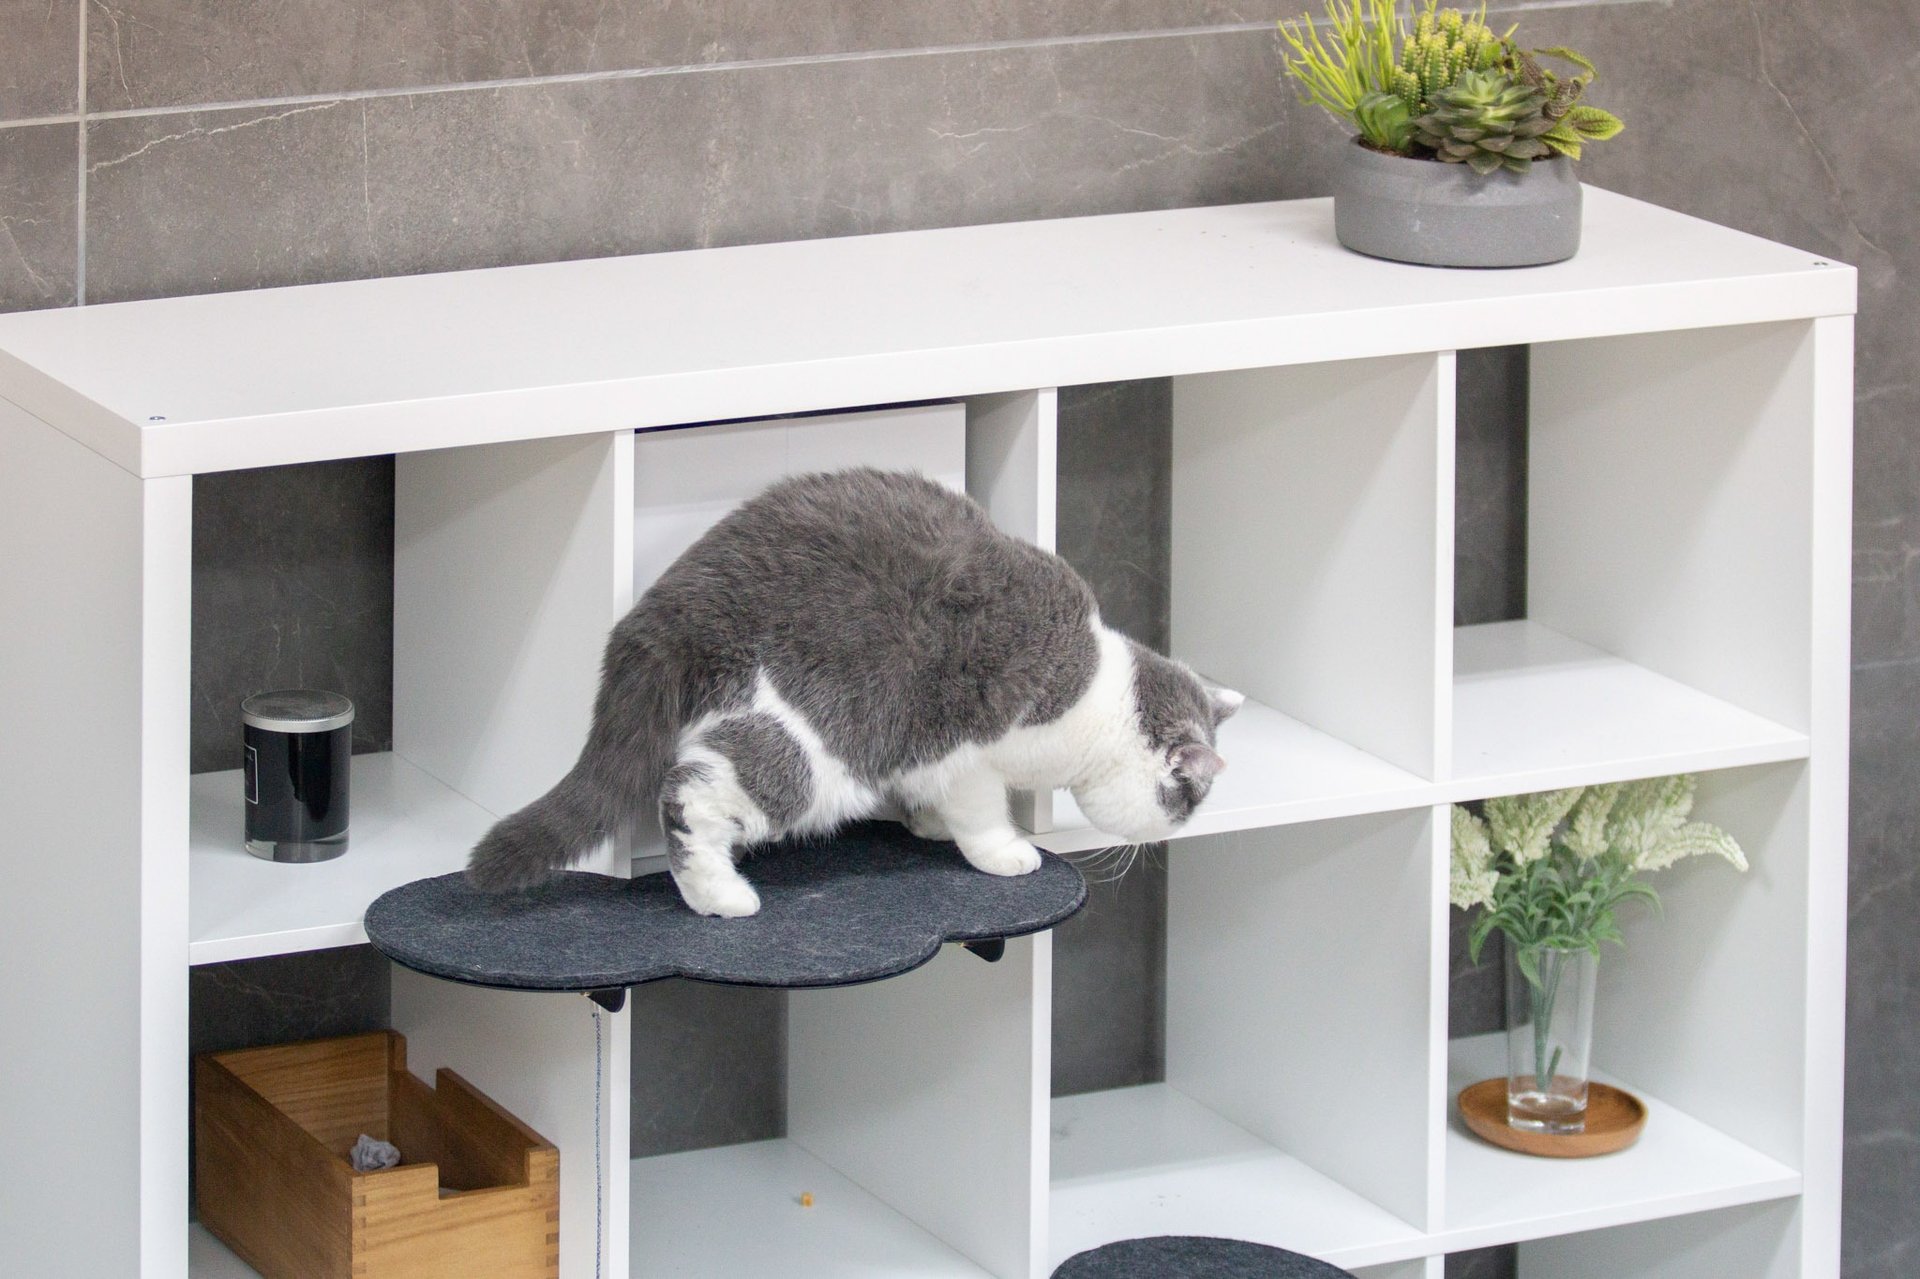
889	612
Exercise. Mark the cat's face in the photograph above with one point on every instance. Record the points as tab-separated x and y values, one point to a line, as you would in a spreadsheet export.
1168	766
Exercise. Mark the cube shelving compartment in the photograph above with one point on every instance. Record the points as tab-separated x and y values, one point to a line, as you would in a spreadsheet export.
1687	610
476	1192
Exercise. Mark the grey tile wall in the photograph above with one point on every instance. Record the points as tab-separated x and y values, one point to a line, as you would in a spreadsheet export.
292	588
1782	118
39	251
709	1066
244	197
39	64
147	53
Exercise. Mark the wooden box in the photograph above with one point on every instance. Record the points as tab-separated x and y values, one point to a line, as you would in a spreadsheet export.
477	1195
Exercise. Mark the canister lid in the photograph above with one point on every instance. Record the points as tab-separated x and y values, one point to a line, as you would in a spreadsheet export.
296	710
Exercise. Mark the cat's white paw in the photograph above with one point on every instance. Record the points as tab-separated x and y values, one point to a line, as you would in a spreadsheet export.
928	824
1014	857
731	897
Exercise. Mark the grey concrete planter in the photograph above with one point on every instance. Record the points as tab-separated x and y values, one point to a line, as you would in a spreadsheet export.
1435	214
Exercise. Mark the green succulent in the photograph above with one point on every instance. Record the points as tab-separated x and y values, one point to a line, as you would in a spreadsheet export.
1573	123
1385	121
1488	120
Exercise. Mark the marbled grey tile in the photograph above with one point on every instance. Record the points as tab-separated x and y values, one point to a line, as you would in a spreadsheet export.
1109	977
292	588
39	58
1881	1184
709	1066
1476	993
145	53
237	199
1490	486
39	198
287	998
1485	1263
1114	499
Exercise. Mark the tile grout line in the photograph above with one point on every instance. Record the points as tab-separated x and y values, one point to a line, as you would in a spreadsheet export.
694	68
80	177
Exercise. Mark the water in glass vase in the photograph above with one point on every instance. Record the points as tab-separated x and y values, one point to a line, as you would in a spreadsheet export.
1549	1036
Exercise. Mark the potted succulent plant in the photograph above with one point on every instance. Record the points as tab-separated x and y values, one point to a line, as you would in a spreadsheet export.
1465	141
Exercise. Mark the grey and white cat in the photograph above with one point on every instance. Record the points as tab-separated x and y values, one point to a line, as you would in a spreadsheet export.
848	640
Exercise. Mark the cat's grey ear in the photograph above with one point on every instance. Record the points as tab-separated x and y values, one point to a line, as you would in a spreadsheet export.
1225	703
1198	761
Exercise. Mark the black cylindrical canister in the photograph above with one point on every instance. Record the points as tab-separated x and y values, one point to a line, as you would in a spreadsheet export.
299	749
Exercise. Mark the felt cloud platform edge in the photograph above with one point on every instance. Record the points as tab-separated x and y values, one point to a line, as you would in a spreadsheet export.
871	902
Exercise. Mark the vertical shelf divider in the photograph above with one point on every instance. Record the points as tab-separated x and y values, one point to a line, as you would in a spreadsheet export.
1308	552
511	562
930	1091
1013	469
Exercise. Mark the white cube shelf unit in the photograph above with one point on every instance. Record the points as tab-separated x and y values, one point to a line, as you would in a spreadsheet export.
1688	610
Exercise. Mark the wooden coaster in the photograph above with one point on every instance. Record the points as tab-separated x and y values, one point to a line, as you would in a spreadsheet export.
1614	1120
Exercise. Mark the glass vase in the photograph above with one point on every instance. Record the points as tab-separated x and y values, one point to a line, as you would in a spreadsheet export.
1549	1037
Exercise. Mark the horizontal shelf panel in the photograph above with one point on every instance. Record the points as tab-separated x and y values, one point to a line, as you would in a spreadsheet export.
178	385
1678	1166
736	1210
1279	771
405	825
1535	710
1151	1161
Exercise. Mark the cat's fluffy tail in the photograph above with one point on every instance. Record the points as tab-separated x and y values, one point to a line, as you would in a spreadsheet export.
636	720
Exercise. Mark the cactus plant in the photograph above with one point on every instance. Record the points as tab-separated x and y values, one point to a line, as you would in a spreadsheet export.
1444	46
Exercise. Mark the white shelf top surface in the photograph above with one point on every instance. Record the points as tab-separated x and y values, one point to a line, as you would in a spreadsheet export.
223	381
404	825
1151	1161
1679	1165
1534	710
736	1210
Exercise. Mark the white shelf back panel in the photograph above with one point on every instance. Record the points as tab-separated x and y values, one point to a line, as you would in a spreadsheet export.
363	367
685	480
1670	513
1308	545
1261	956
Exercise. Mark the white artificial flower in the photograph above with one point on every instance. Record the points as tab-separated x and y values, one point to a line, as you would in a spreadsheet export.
1473	877
1522	825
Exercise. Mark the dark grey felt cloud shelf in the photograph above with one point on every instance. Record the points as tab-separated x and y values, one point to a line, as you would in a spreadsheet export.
872	902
